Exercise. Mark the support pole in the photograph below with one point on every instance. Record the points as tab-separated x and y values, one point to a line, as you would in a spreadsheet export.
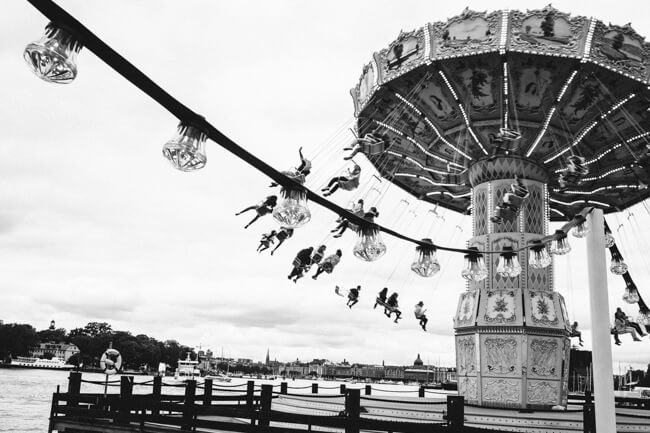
601	344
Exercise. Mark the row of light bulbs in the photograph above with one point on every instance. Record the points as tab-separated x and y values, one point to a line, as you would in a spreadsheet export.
53	59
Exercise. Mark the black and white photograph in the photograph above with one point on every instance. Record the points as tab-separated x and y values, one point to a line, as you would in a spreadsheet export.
344	216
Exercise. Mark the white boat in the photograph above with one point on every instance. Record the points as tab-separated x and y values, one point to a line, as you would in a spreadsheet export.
187	370
53	364
219	377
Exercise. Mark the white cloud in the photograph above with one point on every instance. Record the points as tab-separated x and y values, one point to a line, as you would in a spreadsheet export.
95	225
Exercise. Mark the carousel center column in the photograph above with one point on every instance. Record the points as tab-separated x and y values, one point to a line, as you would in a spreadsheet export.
512	333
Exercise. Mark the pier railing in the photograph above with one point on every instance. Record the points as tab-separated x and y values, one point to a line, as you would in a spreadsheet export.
244	408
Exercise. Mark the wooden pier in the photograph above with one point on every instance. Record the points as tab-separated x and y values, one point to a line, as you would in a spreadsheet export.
258	408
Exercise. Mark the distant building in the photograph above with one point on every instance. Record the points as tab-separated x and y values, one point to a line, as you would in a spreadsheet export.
60	350
268	358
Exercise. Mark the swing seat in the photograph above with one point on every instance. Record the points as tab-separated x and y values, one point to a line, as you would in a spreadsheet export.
510	134
386	306
373	146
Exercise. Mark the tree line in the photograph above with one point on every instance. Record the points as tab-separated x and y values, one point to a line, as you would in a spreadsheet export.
139	352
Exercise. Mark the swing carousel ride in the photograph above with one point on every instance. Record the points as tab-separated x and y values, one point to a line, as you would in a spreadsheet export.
517	118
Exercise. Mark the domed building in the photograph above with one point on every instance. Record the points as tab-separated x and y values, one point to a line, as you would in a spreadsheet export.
418	362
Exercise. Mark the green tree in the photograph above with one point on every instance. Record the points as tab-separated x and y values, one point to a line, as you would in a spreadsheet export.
16	340
57	335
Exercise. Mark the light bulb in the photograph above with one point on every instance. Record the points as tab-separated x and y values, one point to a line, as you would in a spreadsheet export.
560	245
617	266
581	229
538	257
631	295
293	211
53	58
186	151
508	263
474	269
426	262
609	238
370	246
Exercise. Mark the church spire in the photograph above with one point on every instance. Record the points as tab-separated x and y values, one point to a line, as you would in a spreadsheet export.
268	358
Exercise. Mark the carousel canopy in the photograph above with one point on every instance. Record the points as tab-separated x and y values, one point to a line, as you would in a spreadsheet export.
455	93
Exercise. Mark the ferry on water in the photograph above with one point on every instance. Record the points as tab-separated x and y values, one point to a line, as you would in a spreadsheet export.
51	364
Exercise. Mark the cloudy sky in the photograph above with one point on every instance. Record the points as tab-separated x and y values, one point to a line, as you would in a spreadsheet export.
95	225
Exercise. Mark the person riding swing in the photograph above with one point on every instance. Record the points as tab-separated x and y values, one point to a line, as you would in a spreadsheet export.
419	314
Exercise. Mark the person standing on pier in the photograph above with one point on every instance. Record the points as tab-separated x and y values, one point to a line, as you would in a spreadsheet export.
419	314
353	296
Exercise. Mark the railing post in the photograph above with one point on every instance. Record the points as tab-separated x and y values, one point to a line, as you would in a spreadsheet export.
314	388
265	404
53	409
342	389
455	411
126	396
157	392
188	405
353	410
283	388
421	391
250	394
589	418
588	396
74	386
207	392
368	390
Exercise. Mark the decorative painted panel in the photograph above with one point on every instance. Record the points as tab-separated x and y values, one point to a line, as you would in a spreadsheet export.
499	391
533	208
500	308
622	49
543	309
545	357
543	392
565	313
466	34
468	387
548	31
479	211
366	86
467	361
500	355
467	305
402	55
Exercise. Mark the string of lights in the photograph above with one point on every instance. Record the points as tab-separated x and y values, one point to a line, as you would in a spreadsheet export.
53	58
619	267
